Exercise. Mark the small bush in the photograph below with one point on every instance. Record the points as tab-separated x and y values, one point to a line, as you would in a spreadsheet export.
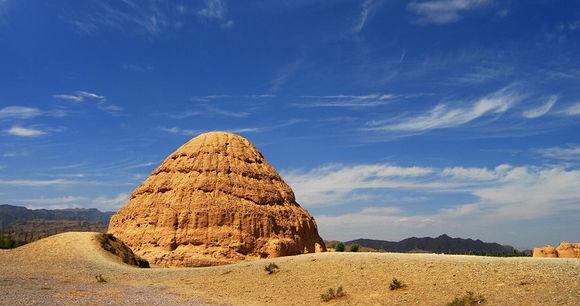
331	294
469	299
396	284
353	248
271	268
100	279
340	247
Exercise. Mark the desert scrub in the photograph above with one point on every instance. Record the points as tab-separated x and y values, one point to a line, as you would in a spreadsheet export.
468	299
353	248
396	284
271	268
331	294
339	247
100	278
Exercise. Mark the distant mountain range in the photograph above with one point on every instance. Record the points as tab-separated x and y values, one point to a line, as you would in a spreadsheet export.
441	244
25	225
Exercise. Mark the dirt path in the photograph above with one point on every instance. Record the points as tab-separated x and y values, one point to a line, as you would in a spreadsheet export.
62	269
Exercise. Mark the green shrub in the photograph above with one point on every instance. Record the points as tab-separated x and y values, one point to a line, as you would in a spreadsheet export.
331	294
353	248
340	247
396	284
469	299
7	242
271	268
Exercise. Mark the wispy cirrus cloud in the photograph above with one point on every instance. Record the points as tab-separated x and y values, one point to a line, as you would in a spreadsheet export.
443	11
37	183
567	153
216	10
25	131
25	112
84	96
445	116
146	17
19	112
194	132
214	110
348	101
368	10
542	109
572	110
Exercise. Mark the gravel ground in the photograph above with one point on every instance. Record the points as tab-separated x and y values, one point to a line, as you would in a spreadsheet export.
61	270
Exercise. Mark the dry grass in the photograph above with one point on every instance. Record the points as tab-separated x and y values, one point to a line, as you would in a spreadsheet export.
67	263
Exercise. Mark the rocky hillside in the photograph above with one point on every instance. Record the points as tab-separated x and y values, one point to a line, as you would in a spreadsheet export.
441	244
24	225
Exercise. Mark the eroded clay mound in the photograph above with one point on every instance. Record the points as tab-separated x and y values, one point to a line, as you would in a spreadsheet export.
215	200
564	250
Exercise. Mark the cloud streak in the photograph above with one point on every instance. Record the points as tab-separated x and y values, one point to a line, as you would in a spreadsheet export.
572	110
368	9
19	112
25	132
100	101
569	153
348	101
444	116
37	183
216	10
542	109
441	12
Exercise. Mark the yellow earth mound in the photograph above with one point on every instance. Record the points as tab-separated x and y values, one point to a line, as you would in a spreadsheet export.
215	201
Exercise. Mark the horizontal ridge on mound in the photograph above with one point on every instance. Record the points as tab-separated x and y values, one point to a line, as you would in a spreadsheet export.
215	200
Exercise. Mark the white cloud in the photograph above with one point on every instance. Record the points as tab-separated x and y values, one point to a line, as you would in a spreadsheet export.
497	196
444	11
501	191
149	17
84	96
106	203
542	109
571	152
37	183
25	132
368	9
573	110
334	184
477	174
216	10
53	203
19	112
443	116
225	113
351	101
245	130
79	96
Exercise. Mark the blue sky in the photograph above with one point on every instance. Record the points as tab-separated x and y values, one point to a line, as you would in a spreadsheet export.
389	119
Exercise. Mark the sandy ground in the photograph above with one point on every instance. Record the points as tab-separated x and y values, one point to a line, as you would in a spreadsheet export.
61	269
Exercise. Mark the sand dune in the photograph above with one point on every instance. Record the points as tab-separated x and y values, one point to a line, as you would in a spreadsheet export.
62	269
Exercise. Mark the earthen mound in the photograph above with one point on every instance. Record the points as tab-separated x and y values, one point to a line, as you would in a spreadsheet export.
214	201
564	250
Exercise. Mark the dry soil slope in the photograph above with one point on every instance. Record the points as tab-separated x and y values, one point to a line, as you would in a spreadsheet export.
61	269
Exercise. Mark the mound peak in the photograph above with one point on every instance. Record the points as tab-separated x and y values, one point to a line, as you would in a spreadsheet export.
215	200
